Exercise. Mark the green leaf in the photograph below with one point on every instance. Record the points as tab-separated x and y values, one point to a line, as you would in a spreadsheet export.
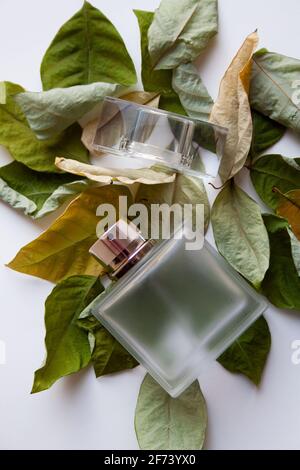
232	110
274	171
192	92
20	140
249	353
275	223
67	345
273	91
87	49
265	133
166	423
282	282
181	30
63	249
108	356
50	112
184	190
156	81
240	233
36	194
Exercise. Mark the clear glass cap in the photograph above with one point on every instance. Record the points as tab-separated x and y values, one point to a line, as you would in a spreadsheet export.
184	144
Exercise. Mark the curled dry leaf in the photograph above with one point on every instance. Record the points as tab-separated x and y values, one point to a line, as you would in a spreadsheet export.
140	97
232	109
108	175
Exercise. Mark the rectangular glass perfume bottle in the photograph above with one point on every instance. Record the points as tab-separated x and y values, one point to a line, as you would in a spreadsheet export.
174	310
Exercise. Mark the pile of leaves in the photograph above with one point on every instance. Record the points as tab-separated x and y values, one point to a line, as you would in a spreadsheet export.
258	100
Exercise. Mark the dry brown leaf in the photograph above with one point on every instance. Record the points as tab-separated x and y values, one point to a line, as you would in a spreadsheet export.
140	97
289	208
232	109
108	175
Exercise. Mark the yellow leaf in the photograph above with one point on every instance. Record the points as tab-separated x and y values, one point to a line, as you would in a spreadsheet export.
62	250
108	175
232	109
289	208
140	97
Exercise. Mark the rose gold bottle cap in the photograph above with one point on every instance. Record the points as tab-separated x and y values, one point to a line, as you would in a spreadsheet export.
121	246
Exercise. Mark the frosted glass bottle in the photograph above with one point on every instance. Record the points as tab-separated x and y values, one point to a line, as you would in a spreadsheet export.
174	310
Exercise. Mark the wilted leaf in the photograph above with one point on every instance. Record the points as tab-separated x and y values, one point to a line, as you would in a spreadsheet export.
273	90
62	250
289	208
249	353
232	110
159	81
20	140
184	190
180	31
240	234
265	133
108	175
274	171
108	356
50	112
67	345
140	97
192	92
36	194
282	282
87	49
166	423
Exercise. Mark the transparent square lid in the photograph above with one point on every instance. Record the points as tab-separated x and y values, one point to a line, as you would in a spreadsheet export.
154	136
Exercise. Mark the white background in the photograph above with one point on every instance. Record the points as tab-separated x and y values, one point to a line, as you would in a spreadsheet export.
80	412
